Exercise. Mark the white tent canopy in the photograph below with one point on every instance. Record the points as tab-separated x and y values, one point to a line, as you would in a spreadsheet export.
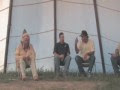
73	16
4	11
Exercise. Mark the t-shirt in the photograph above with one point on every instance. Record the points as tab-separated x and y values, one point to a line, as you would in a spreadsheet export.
62	49
85	47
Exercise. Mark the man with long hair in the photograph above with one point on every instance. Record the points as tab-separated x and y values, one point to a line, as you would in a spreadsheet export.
25	57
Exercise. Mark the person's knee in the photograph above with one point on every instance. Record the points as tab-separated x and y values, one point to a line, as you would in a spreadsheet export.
112	59
78	59
92	56
56	57
21	62
68	58
56	61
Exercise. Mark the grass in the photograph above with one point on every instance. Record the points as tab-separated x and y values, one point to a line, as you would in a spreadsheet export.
110	82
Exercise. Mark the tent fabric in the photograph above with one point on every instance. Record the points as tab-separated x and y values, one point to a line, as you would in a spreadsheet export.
73	16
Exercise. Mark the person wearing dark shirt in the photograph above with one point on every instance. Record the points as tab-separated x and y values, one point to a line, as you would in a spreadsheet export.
61	55
115	60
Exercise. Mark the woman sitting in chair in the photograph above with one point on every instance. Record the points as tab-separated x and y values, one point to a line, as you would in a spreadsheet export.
25	57
85	53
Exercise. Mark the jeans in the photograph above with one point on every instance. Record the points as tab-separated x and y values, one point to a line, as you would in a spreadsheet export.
115	63
79	61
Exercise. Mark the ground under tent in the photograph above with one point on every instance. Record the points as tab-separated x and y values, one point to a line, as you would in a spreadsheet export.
72	16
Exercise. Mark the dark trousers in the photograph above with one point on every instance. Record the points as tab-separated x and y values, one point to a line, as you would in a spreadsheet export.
80	61
115	63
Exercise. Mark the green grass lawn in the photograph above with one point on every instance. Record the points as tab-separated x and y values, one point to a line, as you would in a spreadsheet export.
110	82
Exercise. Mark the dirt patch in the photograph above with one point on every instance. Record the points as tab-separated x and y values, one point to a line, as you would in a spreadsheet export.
50	85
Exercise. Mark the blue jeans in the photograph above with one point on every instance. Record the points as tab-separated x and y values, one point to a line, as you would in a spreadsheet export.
79	61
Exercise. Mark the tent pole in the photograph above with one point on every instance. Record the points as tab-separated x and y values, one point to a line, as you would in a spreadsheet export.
99	35
8	35
55	21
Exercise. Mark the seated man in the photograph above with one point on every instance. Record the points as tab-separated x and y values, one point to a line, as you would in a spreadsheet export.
115	59
85	48
61	55
25	57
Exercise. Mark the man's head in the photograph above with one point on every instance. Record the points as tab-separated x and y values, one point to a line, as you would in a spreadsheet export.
84	36
61	37
25	39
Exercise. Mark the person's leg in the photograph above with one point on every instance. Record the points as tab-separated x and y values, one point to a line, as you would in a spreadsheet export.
57	65
79	62
34	70
91	63
22	69
115	65
18	68
67	64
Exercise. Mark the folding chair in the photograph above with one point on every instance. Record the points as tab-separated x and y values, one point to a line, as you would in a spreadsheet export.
61	66
86	65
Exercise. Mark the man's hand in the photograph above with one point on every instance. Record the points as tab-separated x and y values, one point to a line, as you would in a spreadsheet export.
117	52
90	53
85	57
27	57
114	55
61	57
24	58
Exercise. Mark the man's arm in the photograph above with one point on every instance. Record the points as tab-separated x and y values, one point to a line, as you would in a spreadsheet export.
17	54
55	52
60	56
116	53
92	51
68	50
33	56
